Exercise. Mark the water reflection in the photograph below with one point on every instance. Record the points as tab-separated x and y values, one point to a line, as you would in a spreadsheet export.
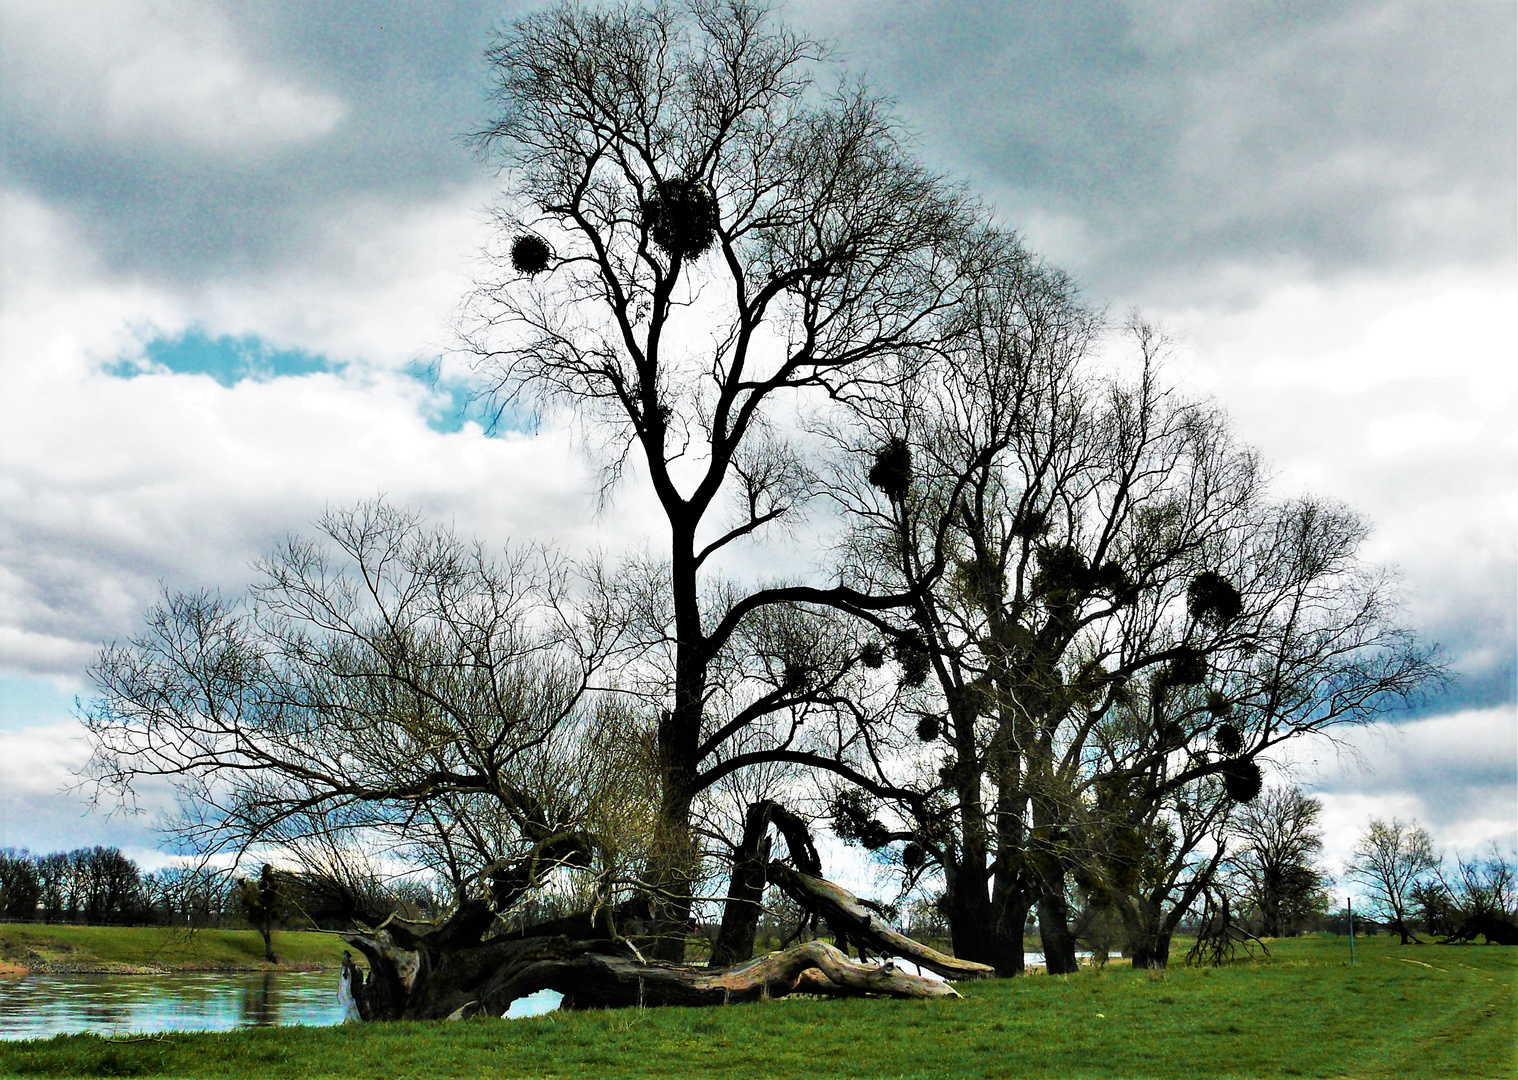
260	1004
38	1006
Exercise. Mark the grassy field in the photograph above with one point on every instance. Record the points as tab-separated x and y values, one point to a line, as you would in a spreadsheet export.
1400	1012
121	948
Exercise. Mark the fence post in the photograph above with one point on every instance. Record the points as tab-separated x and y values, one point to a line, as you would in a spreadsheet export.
1349	902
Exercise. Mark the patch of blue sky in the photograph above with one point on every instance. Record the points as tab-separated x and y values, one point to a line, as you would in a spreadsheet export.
29	701
454	402
451	402
229	360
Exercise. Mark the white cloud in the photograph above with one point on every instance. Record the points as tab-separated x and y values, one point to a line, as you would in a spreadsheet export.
111	486
1397	395
1456	774
155	73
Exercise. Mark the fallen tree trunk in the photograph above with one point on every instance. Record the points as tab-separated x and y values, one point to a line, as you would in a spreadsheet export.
420	971
404	984
864	929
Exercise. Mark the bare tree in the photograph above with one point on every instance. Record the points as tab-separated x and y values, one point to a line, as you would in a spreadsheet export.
1389	861
402	688
703	240
1278	838
1126	610
20	886
1480	897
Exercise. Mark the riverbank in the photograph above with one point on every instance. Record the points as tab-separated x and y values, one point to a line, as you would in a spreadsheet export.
40	949
1400	1012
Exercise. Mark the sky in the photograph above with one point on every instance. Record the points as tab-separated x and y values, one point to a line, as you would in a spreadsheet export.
233	239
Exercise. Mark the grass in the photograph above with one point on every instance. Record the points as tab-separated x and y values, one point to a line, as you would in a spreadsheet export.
122	948
1400	1012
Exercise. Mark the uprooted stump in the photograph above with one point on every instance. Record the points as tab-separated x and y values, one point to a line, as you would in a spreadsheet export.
409	984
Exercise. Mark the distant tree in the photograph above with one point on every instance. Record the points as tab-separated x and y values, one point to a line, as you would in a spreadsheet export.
188	894
1485	885
1390	860
1435	907
1276	842
20	886
1480	898
110	885
263	906
55	875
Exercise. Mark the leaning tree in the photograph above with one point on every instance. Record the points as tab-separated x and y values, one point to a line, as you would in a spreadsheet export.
1126	612
702	237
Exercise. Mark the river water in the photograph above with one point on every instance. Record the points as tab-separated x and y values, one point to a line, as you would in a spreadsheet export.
39	1006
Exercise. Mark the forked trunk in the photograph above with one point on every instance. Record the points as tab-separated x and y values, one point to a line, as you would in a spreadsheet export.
749	876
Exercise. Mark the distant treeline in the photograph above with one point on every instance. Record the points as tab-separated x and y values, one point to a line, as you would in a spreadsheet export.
100	886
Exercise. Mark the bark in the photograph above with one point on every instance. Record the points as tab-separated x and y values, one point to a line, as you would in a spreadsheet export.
865	929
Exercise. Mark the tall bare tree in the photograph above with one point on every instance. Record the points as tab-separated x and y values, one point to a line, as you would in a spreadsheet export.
700	237
1390	860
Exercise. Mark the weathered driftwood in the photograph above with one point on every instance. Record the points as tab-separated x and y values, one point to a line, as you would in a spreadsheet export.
604	974
864	929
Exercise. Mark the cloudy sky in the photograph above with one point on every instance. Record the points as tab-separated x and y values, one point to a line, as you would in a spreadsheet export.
232	238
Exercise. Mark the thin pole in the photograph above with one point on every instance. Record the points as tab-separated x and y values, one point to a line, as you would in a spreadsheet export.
1350	903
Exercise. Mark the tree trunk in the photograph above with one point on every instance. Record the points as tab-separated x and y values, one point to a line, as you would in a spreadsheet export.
863	928
425	971
970	918
267	933
672	869
1270	904
745	892
1007	943
1151	949
1054	932
1148	931
745	896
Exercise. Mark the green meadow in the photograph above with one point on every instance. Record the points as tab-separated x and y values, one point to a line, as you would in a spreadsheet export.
1399	1012
112	948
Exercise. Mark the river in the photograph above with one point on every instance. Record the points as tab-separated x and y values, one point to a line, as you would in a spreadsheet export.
40	1006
